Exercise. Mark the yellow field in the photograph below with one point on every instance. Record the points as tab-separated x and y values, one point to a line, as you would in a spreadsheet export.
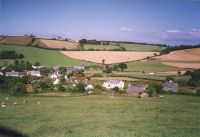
110	57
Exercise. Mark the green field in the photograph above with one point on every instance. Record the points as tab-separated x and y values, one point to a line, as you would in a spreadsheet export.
150	66
45	57
100	47
103	116
140	47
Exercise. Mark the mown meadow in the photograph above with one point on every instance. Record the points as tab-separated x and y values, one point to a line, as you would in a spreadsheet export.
103	116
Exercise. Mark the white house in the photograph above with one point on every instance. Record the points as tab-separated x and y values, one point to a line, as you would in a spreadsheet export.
34	73
110	84
89	87
55	78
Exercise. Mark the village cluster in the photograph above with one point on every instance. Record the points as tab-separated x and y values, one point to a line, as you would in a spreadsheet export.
74	80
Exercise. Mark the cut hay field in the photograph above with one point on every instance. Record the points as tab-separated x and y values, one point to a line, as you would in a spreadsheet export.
182	55
18	40
110	57
142	47
103	116
45	57
100	47
189	58
55	44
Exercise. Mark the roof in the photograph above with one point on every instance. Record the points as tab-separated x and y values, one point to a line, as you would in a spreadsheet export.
113	81
135	89
170	84
78	78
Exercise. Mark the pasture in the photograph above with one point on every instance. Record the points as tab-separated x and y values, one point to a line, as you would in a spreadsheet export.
103	116
142	47
44	56
150	66
100	47
110	57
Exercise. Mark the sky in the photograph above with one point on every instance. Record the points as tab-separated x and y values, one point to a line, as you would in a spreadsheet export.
171	22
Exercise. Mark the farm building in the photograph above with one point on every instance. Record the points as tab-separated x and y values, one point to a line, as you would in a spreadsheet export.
15	74
55	78
135	90
76	80
110	84
171	86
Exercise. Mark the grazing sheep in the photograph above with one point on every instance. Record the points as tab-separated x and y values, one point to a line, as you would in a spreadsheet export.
15	103
3	104
160	96
38	102
6	98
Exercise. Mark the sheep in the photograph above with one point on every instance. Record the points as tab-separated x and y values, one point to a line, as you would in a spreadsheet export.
6	98
3	104
38	102
15	103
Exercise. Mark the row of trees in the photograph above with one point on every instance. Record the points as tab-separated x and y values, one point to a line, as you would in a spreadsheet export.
7	54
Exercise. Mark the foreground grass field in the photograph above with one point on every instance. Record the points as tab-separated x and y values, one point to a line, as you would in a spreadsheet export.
103	116
45	57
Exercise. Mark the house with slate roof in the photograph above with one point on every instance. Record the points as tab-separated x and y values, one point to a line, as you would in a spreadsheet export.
171	86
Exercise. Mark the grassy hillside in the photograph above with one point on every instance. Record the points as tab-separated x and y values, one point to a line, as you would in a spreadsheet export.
45	57
100	47
103	116
150	66
141	47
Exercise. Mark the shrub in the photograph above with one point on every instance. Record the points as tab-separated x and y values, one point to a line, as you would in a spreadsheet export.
61	88
151	91
168	78
116	89
97	86
198	92
80	87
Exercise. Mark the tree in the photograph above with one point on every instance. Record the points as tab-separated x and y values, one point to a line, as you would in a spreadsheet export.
62	70
37	63
151	90
45	71
116	89
103	61
123	66
115	67
168	78
80	87
108	69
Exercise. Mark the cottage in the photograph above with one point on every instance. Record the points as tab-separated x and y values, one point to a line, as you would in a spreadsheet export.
89	87
15	74
171	86
110	84
135	90
55	78
76	80
34	73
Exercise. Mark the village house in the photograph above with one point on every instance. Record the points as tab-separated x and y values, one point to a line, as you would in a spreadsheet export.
15	74
34	73
135	90
110	84
76	80
55	78
171	86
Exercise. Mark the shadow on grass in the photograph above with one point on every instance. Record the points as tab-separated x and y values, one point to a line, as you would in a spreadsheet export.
7	132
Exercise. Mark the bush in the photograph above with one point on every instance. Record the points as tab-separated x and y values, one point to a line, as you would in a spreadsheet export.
168	78
61	88
116	89
198	92
151	91
80	87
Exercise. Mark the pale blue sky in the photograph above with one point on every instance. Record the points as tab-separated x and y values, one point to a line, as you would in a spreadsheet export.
155	21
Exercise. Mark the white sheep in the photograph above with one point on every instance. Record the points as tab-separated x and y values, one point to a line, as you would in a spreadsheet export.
15	103
3	104
38	102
